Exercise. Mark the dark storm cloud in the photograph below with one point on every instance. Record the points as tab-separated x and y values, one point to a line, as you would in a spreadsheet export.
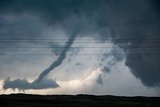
133	25
136	25
53	11
59	12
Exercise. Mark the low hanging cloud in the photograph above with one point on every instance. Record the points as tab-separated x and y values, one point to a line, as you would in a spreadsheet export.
23	84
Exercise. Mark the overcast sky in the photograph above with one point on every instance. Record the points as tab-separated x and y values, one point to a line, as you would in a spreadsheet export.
102	47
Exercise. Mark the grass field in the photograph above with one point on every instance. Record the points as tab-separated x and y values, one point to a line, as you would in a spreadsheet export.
24	100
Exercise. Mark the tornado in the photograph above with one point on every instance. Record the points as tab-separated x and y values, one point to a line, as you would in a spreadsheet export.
38	83
60	59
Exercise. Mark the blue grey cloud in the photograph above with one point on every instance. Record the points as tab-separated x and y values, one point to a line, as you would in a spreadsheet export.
132	24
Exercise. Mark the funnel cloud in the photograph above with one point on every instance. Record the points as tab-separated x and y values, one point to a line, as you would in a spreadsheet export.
61	57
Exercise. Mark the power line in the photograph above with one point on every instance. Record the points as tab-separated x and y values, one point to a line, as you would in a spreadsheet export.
136	47
75	54
77	39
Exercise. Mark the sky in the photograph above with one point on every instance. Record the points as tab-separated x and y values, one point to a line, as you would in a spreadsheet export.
100	47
